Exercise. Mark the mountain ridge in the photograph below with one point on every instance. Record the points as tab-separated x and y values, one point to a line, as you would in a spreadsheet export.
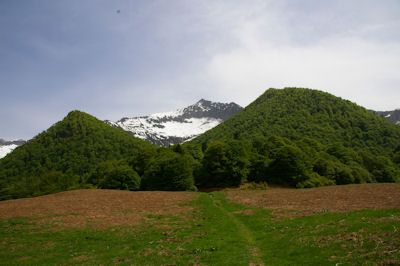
392	116
169	128
7	146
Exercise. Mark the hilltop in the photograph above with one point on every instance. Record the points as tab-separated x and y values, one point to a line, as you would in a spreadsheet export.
63	156
303	137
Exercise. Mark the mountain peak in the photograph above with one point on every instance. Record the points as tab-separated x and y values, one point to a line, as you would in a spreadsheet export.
204	104
181	125
78	114
203	101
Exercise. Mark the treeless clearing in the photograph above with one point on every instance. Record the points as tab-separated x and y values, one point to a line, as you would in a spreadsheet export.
287	202
100	208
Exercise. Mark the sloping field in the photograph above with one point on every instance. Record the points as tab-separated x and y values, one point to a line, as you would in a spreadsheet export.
301	202
108	227
96	207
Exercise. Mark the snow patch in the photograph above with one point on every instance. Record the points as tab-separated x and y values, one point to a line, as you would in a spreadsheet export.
142	127
6	149
178	126
172	114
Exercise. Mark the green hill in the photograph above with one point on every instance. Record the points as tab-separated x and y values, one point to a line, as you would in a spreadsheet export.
296	137
65	155
304	138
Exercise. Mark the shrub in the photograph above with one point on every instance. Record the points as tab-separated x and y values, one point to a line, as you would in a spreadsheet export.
315	180
115	174
343	174
360	174
325	167
254	186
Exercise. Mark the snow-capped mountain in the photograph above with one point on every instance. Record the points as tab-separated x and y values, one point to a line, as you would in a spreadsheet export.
178	126
392	116
8	146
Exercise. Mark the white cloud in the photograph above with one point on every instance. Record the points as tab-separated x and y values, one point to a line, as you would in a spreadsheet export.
364	70
160	55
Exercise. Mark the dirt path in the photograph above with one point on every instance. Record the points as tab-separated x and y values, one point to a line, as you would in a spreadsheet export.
243	231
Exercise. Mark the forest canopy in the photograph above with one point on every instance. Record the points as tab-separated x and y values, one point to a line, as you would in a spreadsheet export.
293	137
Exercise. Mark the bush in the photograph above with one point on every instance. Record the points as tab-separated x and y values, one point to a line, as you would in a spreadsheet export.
169	171
254	186
343	174
115	174
315	180
360	174
325	167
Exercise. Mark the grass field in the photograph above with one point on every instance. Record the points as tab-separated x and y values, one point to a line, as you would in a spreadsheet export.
231	227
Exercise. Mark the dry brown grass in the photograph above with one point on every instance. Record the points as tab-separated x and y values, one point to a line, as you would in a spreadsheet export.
99	208
287	202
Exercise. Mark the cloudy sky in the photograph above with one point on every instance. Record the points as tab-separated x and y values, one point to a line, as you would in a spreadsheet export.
127	58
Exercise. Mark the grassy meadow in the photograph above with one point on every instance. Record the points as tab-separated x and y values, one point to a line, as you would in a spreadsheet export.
211	230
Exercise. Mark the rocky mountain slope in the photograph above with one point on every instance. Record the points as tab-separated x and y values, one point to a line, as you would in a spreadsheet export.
178	126
392	116
8	146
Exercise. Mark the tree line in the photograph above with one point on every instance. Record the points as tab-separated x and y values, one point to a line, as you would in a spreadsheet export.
292	137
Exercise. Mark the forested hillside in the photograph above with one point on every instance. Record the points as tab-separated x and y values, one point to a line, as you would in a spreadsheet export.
300	137
67	154
293	137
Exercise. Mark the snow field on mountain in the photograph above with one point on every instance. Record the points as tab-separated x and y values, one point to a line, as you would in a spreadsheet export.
6	149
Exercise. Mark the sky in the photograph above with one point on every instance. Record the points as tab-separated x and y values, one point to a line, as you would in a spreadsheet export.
118	58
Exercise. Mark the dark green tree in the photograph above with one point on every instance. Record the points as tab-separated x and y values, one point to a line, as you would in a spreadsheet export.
258	168
169	171
224	164
382	169
115	174
289	166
